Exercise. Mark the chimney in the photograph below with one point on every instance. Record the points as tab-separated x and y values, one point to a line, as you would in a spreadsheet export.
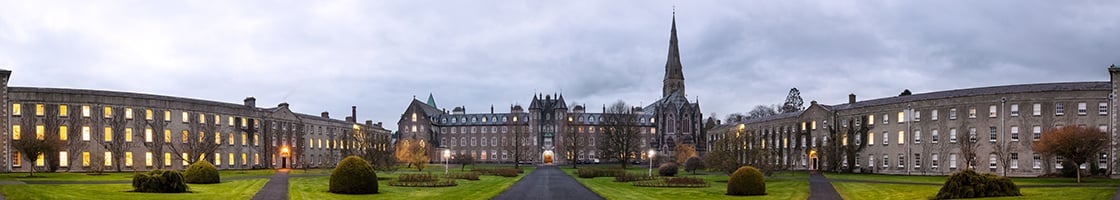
326	114
369	122
851	98
738	118
491	108
353	114
251	102
349	119
718	122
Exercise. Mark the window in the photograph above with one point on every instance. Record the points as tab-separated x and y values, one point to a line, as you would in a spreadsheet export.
217	158
231	139
39	110
217	138
244	137
992	112
1082	109
871	119
917	115
128	113
62	133
917	161
63	110
148	135
992	161
886	140
1036	132
1103	161
1103	108
17	110
64	159
933	115
1037	163
886	119
933	161
952	161
16	132
886	161
870	138
108	134
917	136
901	160
901	137
992	135
108	158
148	159
85	158
166	159
167	135
972	134
230	156
167	115
185	136
85	133
256	158
952	113
128	134
186	117
186	155
230	120
1014	133
1014	161
108	112
148	114
244	159
85	111
128	158
971	113
1059	109
1037	110
901	117
201	118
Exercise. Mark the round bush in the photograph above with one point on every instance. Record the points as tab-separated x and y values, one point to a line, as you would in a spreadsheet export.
353	176
692	164
202	172
746	181
668	169
969	184
159	181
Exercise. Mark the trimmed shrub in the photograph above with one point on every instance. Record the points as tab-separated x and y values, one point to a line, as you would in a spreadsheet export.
673	182
588	172
969	184
746	181
353	176
627	177
202	172
504	172
692	164
417	178
668	169
439	183
159	181
468	176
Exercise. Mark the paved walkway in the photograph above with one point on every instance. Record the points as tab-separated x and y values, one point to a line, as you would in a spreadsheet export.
821	188
545	183
276	188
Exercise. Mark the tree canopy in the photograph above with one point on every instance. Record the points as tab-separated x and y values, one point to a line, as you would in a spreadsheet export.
1075	144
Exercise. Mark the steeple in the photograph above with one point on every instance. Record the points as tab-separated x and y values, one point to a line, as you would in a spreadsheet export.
674	78
431	101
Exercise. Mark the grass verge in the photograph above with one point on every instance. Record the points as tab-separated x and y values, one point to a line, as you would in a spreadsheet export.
606	187
239	189
485	188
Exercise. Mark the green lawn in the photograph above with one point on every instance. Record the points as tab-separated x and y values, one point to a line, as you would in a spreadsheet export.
115	176
942	179
239	189
486	188
878	191
791	188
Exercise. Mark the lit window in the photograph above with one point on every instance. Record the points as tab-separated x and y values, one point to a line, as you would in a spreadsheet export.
128	113
231	138
256	140
16	132
63	133
40	132
870	138
85	158
128	134
108	158
85	133
185	136
901	137
230	120
256	158
39	110
230	156
17	109
217	158
185	156
148	159
108	112
901	117
108	134
243	159
1014	110
148	135
217	138
148	114
201	118
63	111
64	159
85	110
186	116
39	161
166	159
871	119
243	138
167	115
217	119
166	135
128	158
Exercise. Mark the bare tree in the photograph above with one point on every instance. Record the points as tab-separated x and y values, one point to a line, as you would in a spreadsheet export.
969	145
519	144
158	138
206	144
51	124
114	139
760	111
372	147
621	136
1003	153
76	140
574	143
31	144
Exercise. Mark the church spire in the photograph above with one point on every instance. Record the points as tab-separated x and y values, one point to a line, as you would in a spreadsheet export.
431	100
674	77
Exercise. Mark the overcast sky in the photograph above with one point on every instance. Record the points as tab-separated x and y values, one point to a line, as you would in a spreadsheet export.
328	55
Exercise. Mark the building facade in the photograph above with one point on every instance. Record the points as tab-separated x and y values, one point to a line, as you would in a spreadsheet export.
924	134
549	122
140	132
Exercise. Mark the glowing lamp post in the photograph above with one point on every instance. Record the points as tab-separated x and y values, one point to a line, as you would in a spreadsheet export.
651	152
446	156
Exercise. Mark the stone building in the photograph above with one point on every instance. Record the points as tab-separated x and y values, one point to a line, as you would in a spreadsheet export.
669	121
140	132
924	134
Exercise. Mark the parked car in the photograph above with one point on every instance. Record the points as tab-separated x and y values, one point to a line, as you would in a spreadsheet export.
596	161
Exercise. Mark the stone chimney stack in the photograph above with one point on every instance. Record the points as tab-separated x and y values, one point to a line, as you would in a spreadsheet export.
353	114
851	98
251	102
326	114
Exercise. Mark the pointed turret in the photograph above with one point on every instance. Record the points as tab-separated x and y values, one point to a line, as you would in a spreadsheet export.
432	101
674	77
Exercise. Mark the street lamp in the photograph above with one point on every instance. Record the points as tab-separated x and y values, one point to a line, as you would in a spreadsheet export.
446	155
651	152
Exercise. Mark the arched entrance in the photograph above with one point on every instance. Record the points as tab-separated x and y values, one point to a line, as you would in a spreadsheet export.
284	154
813	159
547	157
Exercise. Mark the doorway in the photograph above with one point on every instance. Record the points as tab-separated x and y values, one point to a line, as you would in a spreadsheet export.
283	162
548	157
813	159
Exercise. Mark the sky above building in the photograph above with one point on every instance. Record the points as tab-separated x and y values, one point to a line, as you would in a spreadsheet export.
379	55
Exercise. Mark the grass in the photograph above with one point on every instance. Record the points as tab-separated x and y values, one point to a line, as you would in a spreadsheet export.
792	188
941	179
485	188
239	189
115	176
878	191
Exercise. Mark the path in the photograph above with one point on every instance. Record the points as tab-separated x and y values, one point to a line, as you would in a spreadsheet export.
276	188
545	183
821	188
